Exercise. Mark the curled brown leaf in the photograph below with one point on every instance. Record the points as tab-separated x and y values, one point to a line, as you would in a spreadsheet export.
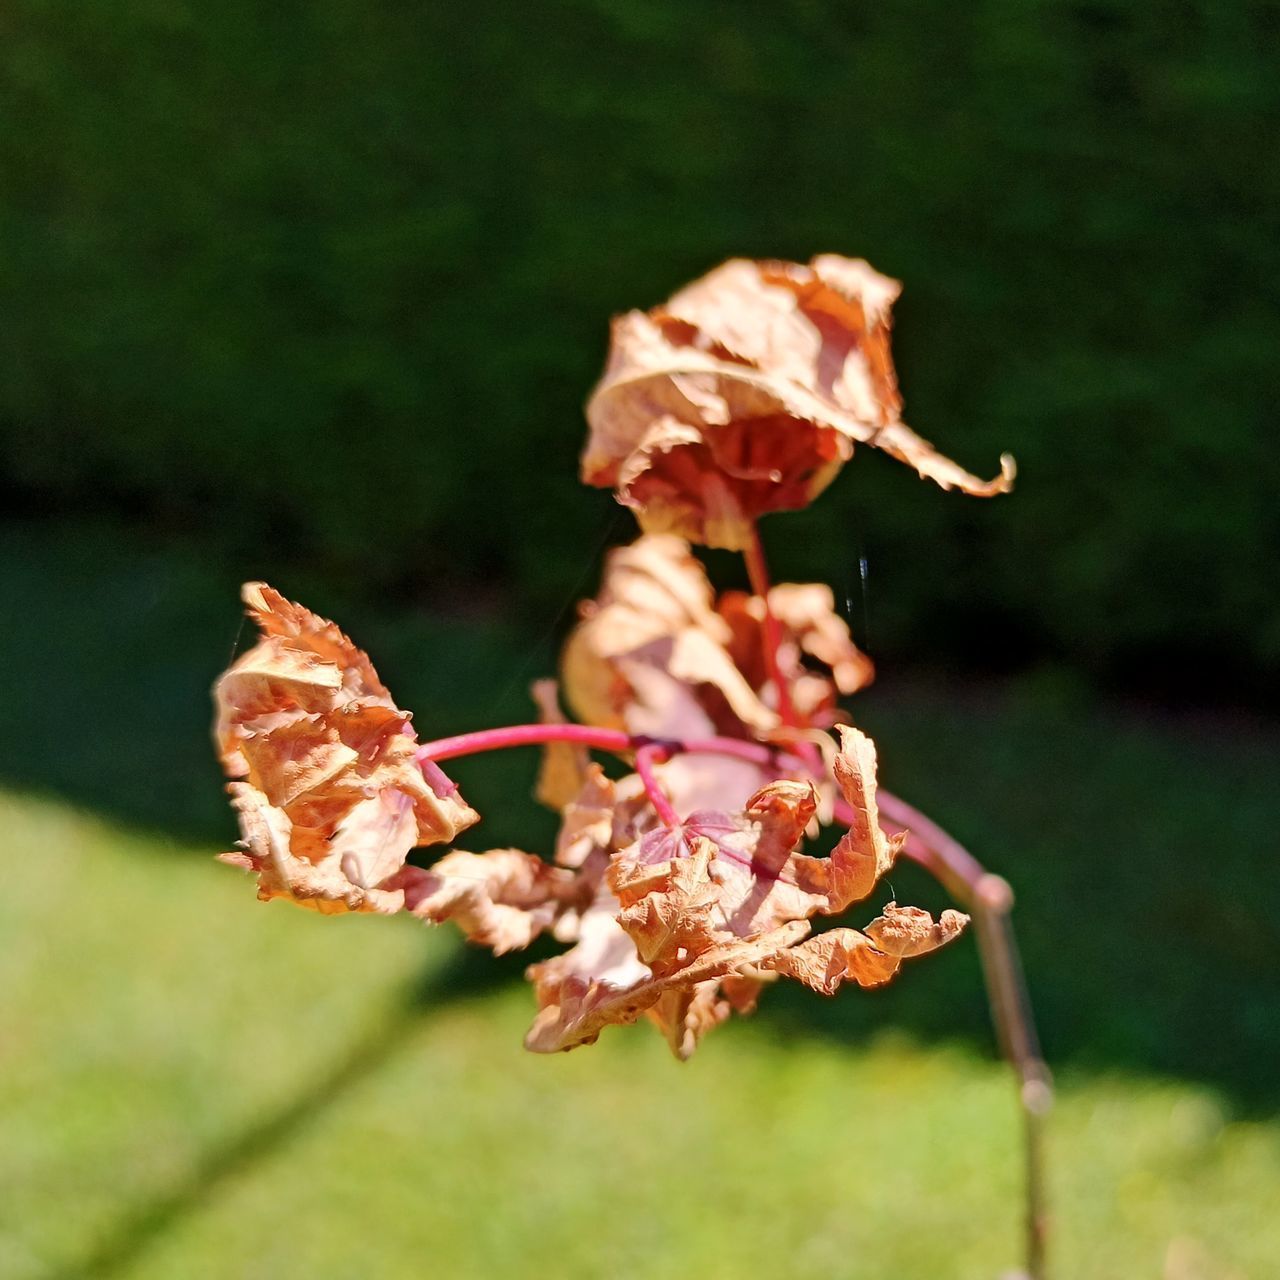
745	394
501	899
870	958
650	654
691	919
326	785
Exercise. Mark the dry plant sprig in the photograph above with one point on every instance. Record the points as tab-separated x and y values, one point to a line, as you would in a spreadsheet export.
680	889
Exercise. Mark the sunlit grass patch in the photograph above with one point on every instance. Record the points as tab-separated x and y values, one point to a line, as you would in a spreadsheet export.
196	1085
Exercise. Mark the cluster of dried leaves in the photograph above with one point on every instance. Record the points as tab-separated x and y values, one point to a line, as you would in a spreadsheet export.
743	395
681	923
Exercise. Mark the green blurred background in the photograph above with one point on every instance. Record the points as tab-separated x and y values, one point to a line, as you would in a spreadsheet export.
315	292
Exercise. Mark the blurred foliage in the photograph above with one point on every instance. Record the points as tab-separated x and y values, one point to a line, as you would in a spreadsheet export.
332	280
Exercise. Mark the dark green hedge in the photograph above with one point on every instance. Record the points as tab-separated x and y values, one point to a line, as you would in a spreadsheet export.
332	280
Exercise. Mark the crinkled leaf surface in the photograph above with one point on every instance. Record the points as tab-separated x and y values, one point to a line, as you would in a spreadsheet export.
746	392
330	796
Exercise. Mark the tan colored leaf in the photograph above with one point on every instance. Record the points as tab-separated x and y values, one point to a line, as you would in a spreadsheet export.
668	910
685	1014
302	630
746	393
807	615
298	757
907	931
764	881
330	795
651	657
574	1009
371	839
870	958
864	853
501	899
586	827
656	655
831	958
269	842
753	867
730	884
651	644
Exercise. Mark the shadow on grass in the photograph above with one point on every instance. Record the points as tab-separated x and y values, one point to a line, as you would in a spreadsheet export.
468	973
1138	843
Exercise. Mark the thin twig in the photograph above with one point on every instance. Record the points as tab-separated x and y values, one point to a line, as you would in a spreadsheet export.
990	899
646	757
614	741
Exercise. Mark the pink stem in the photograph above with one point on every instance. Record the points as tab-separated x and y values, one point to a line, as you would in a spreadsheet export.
944	855
646	757
521	735
612	740
990	899
758	575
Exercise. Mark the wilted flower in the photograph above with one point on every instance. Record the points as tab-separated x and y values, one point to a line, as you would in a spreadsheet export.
745	394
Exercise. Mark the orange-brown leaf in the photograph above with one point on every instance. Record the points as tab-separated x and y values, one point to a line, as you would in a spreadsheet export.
764	880
870	958
907	931
815	654
651	649
693	918
501	899
668	910
746	393
575	1008
329	793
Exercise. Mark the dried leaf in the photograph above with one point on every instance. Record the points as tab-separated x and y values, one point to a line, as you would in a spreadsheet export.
685	1014
864	853
764	881
870	958
651	656
692	919
746	393
574	1007
809	628
903	932
650	653
754	864
501	899
330	796
587	824
656	654
668	910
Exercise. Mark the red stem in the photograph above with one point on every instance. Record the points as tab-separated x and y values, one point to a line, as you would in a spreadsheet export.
758	575
614	741
646	757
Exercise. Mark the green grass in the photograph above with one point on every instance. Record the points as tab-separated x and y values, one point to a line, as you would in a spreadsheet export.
195	1085
192	1084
